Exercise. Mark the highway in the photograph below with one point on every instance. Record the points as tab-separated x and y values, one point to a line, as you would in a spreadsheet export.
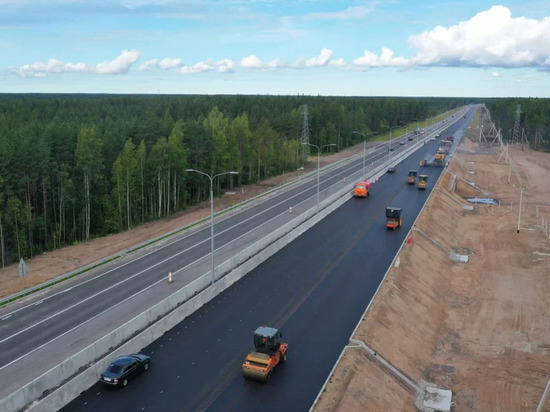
314	290
40	331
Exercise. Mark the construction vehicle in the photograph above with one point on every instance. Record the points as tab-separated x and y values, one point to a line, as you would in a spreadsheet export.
269	351
446	145
422	181
393	217
412	177
362	189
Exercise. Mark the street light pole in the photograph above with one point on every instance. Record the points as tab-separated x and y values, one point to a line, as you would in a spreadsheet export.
212	214
318	157
389	150
364	146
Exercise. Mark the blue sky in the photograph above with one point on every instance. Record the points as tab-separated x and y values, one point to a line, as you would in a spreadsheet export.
313	47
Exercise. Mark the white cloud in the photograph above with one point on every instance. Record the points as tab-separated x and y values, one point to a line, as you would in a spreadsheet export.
170	63
222	66
276	63
225	66
321	60
386	58
165	64
490	38
119	65
149	64
252	62
337	62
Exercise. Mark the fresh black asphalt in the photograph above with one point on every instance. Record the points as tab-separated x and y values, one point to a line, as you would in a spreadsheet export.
315	290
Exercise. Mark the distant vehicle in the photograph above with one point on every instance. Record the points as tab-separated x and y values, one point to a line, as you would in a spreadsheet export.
402	142
125	368
393	217
391	149
391	169
438	135
411	179
433	138
416	130
362	189
268	353
411	138
422	131
451	138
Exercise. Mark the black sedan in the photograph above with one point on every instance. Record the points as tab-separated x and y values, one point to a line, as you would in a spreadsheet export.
391	169
124	368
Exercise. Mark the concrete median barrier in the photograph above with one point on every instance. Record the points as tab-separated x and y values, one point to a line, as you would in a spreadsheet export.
61	384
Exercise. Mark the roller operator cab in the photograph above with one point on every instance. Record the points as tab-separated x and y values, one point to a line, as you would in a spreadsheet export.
393	217
422	182
269	351
412	177
362	189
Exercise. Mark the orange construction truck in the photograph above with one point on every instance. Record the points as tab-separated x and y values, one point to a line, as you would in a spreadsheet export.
362	189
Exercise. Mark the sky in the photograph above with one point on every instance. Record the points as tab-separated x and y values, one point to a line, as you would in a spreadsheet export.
276	47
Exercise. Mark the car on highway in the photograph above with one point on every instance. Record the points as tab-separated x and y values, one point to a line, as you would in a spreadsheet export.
432	138
402	143
391	169
125	368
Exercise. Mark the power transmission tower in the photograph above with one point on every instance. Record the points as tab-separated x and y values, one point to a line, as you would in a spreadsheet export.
517	126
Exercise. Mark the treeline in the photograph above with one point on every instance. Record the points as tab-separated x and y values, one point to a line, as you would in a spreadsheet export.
534	119
79	166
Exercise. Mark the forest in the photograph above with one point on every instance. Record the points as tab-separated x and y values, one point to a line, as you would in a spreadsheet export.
534	120
74	167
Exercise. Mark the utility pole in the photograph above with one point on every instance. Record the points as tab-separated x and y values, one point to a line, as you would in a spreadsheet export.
520	201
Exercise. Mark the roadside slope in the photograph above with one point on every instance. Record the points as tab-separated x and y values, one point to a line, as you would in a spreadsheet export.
479	329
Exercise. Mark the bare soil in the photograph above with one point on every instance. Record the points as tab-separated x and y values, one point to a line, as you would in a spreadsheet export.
480	329
68	259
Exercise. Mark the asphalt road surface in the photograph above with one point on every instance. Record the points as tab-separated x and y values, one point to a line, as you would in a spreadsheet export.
30	331
315	290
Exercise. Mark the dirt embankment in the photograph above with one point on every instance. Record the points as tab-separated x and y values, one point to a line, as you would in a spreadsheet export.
480	329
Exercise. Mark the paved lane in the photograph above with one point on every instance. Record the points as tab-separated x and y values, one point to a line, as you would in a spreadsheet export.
315	290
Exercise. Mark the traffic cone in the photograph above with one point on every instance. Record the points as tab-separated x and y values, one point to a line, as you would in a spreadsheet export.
170	280
290	210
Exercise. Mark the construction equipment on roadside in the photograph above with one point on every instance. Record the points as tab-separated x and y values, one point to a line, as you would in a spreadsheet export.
393	217
439	159
269	352
412	177
422	182
362	189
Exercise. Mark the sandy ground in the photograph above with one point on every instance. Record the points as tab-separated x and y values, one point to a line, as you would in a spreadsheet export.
59	262
480	329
